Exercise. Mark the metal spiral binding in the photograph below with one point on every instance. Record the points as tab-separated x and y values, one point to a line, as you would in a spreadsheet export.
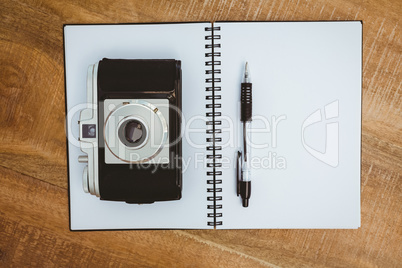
213	123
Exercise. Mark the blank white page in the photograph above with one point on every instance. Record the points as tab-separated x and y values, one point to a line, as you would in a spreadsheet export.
87	44
307	82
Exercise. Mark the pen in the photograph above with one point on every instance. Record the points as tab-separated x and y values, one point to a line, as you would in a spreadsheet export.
243	159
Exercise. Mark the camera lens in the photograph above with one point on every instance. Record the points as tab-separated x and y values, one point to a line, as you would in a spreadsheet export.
133	133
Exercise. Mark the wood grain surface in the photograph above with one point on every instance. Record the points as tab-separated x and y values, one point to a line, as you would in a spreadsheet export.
33	170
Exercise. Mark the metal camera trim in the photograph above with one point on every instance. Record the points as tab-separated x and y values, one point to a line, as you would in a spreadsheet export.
152	108
89	115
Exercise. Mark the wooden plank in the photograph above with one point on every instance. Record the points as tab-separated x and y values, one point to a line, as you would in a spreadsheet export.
34	231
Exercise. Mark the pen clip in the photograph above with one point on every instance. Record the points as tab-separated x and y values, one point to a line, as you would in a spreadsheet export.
238	170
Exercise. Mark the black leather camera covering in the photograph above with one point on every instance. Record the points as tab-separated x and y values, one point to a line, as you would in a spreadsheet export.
141	79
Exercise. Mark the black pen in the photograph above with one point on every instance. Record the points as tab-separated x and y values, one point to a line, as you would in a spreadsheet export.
243	159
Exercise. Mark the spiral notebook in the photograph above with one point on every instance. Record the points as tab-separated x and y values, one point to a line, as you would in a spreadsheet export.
306	130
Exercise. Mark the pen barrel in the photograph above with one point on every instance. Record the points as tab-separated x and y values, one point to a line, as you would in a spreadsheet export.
246	102
245	192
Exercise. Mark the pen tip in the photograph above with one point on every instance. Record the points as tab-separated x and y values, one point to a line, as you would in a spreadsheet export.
246	77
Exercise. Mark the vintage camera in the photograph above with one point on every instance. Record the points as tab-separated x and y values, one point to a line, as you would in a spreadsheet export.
131	132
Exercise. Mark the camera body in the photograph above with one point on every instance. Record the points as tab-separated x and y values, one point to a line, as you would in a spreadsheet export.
131	131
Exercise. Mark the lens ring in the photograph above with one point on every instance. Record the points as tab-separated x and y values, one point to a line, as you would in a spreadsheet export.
133	133
126	112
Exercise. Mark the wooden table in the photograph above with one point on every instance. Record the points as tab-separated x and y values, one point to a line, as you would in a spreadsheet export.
33	169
